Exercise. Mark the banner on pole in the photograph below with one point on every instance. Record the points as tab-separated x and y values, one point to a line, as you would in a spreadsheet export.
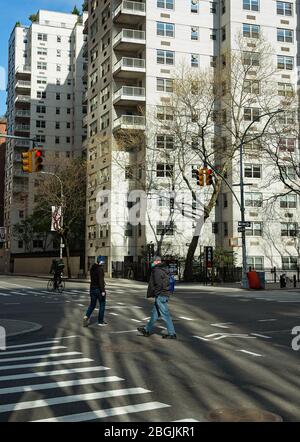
56	223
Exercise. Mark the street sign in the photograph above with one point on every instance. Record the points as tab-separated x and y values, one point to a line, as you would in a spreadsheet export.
244	224
208	251
2	234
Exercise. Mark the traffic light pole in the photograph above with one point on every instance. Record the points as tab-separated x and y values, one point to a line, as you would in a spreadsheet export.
62	206
245	284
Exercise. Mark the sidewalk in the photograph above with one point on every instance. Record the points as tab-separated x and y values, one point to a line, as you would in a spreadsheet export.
16	328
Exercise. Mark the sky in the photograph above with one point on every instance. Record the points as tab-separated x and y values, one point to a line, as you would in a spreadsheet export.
19	10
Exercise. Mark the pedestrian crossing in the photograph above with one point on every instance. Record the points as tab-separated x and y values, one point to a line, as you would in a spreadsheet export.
29	392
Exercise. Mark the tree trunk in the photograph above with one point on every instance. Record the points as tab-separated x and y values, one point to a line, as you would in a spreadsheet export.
188	269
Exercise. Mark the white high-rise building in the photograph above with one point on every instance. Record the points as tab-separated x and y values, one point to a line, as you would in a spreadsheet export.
134	50
44	102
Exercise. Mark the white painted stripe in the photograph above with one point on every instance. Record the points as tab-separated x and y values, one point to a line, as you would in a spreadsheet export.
100	414
136	320
200	337
18	285
114	314
222	325
53	355
249	353
187	319
145	319
163	328
71	399
62	384
261	336
40	374
81	305
50	341
32	350
44	364
19	293
266	320
120	303
187	420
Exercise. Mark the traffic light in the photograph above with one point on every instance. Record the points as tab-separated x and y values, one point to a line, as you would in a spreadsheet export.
200	177
38	160
209	177
27	161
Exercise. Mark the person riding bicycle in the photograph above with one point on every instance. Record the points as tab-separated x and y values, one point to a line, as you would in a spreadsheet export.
57	268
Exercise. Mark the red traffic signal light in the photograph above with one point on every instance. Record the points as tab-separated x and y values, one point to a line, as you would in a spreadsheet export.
209	177
38	160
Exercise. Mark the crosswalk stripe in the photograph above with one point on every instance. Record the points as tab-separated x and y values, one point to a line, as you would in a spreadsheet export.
31	344
44	364
19	293
187	420
40	374
100	414
71	399
53	355
32	350
60	384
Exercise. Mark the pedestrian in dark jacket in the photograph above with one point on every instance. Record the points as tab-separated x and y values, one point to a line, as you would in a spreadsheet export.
159	288
97	292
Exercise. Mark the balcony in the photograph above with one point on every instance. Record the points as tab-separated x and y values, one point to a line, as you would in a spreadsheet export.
22	128
129	12
23	71
129	95
19	188
22	144
23	99
129	40
22	113
85	121
23	84
134	122
129	68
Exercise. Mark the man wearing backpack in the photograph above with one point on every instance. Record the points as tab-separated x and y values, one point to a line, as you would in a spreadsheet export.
97	292
159	288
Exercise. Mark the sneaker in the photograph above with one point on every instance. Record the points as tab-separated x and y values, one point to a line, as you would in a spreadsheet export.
86	321
102	324
169	336
143	331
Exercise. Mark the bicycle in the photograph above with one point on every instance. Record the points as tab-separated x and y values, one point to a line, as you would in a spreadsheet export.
60	285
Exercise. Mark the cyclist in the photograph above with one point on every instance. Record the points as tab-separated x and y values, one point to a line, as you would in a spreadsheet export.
57	268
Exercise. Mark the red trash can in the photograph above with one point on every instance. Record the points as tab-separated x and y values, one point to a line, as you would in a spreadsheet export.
254	281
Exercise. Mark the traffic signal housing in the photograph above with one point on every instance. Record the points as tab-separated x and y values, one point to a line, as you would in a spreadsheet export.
209	177
27	163
38	160
200	177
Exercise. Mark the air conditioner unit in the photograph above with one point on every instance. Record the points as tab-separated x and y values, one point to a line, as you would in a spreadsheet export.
253	213
289	215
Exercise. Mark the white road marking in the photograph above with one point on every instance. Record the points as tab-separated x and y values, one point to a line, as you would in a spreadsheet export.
39	374
17	285
114	314
185	318
61	384
266	320
136	320
81	305
100	414
222	325
32	350
49	341
261	336
249	353
52	355
71	399
201	337
44	364
120	303
146	319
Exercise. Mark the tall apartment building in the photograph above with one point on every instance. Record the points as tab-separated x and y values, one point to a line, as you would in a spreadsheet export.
134	49
2	168
44	102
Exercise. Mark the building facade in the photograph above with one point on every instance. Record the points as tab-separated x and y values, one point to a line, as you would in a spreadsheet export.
44	102
134	49
2	168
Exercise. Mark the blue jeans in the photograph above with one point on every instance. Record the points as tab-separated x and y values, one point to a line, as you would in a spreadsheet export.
95	294
161	305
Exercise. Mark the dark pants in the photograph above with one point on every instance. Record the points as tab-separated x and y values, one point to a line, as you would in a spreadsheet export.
95	294
57	279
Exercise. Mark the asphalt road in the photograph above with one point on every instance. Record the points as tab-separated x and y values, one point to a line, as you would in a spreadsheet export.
233	351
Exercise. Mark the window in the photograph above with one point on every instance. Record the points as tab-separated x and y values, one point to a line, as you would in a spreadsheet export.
41	94
213	34
285	89
284	8
287	144
68	96
288	172
20	244
289	229
94	103
57	111
165	228
194	33
285	62
255	262
57	125
251	114
41	109
58	67
223	33
164	85
58	39
213	7
164	113
225	200
215	228
40	138
223	6
288	202
42	37
285	35
165	57
57	96
251	59
251	5
194	6
165	29
105	121
58	82
41	81
41	66
165	142
255	229
225	227
58	53
252	171
194	61
250	31
37	243
253	199
252	87
21	214
289	262
129	230
129	173
42	51
287	117
57	140
164	170
166	4
41	124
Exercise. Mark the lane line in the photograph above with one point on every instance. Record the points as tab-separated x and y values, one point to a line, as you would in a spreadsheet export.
266	320
100	414
53	355
200	337
71	399
261	336
40	374
249	353
44	364
61	384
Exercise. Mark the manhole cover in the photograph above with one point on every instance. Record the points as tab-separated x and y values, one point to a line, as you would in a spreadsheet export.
242	415
125	348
